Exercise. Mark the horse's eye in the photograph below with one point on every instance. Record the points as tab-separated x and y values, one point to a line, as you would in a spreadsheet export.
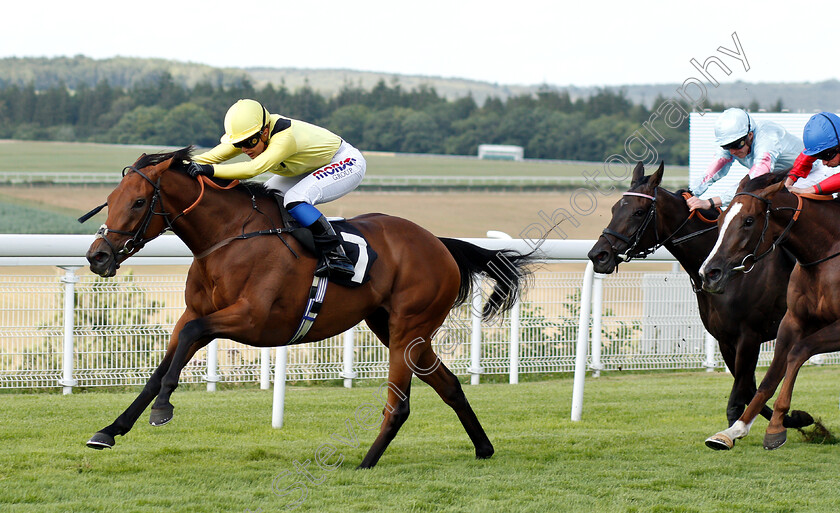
749	221
639	213
139	203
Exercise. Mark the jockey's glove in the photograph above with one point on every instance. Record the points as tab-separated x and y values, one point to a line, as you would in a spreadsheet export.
195	169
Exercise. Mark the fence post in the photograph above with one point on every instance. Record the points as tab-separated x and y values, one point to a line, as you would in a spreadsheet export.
514	341
583	338
265	368
710	352
475	339
212	376
514	321
279	404
597	310
70	280
347	373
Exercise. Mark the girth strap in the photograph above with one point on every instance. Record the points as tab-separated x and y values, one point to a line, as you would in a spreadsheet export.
313	307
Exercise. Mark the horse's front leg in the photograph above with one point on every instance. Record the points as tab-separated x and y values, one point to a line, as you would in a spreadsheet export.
725	439
822	341
104	438
231	322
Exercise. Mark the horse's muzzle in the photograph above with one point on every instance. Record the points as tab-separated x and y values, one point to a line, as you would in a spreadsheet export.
603	258
714	279
102	261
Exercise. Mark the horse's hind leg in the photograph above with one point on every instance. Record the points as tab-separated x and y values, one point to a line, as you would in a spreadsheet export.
430	369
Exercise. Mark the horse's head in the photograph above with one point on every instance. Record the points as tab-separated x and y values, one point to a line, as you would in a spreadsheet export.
135	213
745	232
631	230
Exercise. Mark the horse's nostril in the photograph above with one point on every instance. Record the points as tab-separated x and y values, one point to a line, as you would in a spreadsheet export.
713	274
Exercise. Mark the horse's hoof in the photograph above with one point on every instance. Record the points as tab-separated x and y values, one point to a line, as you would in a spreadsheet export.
485	453
161	417
798	419
774	440
101	441
720	442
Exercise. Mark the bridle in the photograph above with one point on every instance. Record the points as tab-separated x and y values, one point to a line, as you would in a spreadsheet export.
779	240
633	240
137	238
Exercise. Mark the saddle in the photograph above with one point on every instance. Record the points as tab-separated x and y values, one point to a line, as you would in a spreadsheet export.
355	245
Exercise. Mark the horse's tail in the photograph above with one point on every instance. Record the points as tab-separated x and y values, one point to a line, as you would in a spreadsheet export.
508	268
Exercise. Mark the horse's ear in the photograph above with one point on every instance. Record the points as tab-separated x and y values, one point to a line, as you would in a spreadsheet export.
770	191
656	178
743	182
638	174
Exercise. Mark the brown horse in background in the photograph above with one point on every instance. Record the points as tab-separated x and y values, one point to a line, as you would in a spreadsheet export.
761	218
649	216
254	291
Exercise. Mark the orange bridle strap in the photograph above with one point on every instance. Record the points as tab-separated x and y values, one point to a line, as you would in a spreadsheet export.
205	180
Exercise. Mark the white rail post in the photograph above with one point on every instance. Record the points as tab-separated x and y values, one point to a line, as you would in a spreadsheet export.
70	280
514	342
279	404
349	339
597	310
265	368
212	376
514	321
583	338
475	340
710	352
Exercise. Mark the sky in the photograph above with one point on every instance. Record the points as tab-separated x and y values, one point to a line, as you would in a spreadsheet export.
584	43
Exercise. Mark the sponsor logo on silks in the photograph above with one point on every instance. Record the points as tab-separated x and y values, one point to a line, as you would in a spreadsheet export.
332	169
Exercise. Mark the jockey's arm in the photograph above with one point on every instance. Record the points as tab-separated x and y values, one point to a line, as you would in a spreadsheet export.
801	168
280	147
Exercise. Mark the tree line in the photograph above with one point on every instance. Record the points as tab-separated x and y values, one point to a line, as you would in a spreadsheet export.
388	117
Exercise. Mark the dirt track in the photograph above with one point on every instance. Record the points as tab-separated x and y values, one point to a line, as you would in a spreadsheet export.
444	214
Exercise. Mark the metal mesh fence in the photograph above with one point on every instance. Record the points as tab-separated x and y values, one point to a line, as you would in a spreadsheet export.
122	326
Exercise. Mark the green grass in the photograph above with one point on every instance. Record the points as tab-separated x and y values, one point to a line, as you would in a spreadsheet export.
17	217
22	156
638	448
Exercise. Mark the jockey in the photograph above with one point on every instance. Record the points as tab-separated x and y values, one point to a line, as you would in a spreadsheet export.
311	165
822	143
760	146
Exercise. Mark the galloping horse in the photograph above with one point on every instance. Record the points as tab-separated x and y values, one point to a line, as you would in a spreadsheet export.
649	216
761	218
254	290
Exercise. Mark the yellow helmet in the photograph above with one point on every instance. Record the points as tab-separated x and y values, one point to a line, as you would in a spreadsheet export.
244	119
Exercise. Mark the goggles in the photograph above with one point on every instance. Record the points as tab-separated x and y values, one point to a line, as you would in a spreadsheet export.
828	154
250	142
736	145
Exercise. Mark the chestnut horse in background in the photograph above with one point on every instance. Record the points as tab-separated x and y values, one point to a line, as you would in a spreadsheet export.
762	217
649	216
254	291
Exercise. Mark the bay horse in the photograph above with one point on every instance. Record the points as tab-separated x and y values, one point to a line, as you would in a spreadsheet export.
649	216
255	291
762	217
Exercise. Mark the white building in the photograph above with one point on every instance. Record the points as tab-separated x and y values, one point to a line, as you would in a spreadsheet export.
500	152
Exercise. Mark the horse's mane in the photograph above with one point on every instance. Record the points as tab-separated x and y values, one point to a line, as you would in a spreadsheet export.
182	157
760	182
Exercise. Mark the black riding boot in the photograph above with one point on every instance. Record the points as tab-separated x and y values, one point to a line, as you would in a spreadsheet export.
334	261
